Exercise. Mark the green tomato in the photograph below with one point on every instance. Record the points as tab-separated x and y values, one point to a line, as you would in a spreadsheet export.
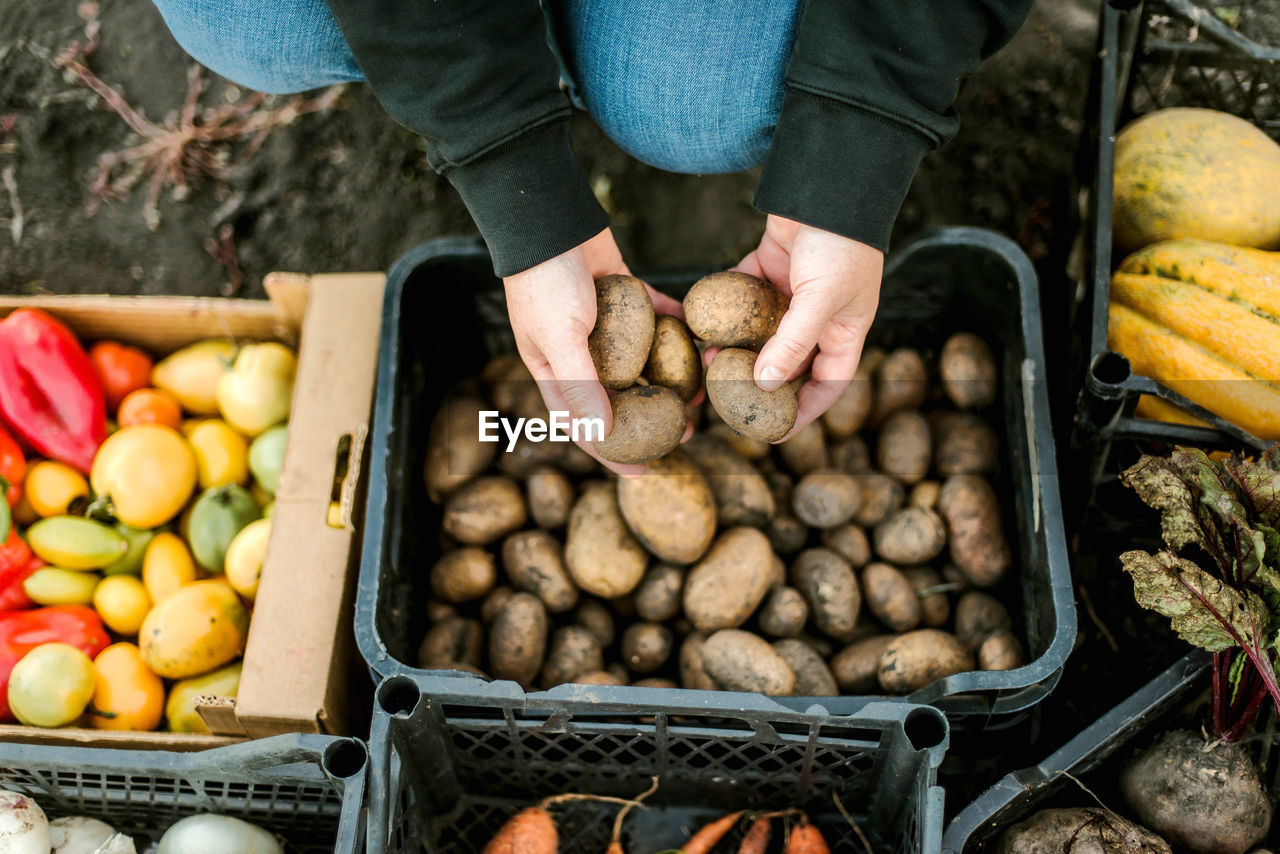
218	515
131	562
266	457
51	685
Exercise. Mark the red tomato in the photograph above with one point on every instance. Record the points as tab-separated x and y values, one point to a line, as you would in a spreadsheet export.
122	369
150	406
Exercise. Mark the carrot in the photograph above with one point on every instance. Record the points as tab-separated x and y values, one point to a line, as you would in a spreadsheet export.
806	839
757	838
705	839
530	831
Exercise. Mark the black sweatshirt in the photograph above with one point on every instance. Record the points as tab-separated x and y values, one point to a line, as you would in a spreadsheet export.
869	90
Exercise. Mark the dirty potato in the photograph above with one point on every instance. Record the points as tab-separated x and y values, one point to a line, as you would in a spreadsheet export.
727	585
806	451
1000	651
783	613
968	368
527	457
904	447
924	494
742	495
747	448
518	639
670	508
646	646
573	652
484	510
978	615
744	406
964	443
454	640
890	597
830	588
657	598
594	616
550	496
880	495
902	382
463	575
734	310
912	535
851	456
1079	830
455	453
857	666
623	334
935	608
741	661
813	676
534	561
674	361
850	542
849	413
495	602
692	674
825	498
919	658
648	423
972	512
603	557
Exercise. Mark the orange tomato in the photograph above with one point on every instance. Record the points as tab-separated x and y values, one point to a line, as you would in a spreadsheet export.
122	369
150	406
126	694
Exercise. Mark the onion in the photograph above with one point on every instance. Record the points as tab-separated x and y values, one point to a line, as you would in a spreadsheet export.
217	834
80	834
23	827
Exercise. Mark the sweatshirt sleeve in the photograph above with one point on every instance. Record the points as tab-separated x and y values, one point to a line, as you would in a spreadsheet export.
869	90
477	80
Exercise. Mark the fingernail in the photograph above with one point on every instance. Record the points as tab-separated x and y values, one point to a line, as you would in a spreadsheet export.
771	378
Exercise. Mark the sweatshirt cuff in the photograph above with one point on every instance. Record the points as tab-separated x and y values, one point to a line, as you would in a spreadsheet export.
530	198
838	167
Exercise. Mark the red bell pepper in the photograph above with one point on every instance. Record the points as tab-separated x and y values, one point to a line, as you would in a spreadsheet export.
50	394
13	596
23	631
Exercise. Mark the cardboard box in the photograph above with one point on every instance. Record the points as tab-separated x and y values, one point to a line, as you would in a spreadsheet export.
300	667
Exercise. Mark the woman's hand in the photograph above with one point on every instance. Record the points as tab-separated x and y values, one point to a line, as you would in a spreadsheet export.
553	309
834	286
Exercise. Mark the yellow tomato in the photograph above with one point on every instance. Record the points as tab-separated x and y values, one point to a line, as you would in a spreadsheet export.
245	556
51	685
192	374
257	391
199	627
166	566
181	707
147	471
122	602
126	695
50	585
222	454
52	486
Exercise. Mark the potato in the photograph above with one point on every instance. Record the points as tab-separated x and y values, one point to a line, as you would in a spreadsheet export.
437	611
623	334
968	370
654	682
784	613
964	443
920	658
745	447
850	542
902	382
831	589
670	508
594	616
454	640
726	587
825	498
573	652
455	453
890	597
619	672
806	451
787	534
648	423
741	661
462	575
550	496
1000	651
574	461
484	510
646	646
658	596
602	556
904	447
850	456
777	572
674	362
857	666
935	609
527	457
734	310
812	676
692	673
742	496
1079	830
512	388
598	677
534	561
924	494
847	415
912	535
744	406
880	495
494	603
518	639
978	545
978	615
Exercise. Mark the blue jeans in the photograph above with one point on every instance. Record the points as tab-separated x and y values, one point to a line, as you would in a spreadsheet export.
683	85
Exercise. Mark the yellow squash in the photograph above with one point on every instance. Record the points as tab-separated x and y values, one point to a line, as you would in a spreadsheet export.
198	627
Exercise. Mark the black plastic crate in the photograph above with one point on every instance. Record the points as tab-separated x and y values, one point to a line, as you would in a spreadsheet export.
308	789
950	279
445	775
1161	53
1022	792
